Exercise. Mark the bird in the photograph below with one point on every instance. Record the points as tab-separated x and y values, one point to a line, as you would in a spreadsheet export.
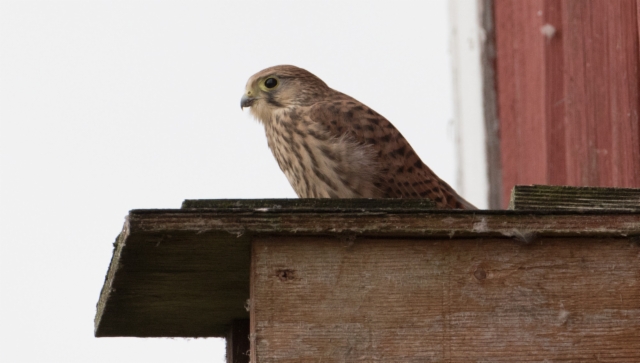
329	145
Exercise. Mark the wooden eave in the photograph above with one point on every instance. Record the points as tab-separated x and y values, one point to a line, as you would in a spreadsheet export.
185	272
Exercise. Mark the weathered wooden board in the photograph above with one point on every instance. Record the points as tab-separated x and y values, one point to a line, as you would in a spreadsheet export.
309	204
547	197
384	223
174	284
185	272
441	300
238	346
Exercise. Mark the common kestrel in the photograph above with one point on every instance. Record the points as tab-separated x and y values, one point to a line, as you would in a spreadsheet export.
329	145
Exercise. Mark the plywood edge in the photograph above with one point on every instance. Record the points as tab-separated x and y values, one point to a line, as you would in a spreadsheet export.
172	283
309	204
569	198
396	223
109	278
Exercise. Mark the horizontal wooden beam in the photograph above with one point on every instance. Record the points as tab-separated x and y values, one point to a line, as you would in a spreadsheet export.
399	223
310	204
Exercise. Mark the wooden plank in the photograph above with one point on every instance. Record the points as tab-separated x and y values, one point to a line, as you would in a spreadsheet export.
309	204
552	30
322	299
601	76
521	89
185	272
581	68
545	197
172	284
568	90
587	89
505	88
238	342
407	223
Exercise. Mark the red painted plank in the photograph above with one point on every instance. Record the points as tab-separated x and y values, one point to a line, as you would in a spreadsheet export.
503	16
505	89
568	100
520	76
531	92
625	56
601	73
555	102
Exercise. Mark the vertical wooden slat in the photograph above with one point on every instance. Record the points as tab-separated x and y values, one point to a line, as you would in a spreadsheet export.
575	88
238	342
588	93
252	311
602	87
638	18
531	93
520	80
503	15
554	92
567	76
626	65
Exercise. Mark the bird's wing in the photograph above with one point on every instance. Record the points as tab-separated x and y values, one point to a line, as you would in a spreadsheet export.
401	172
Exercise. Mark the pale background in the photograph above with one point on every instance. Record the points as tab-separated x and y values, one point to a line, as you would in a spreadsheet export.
109	106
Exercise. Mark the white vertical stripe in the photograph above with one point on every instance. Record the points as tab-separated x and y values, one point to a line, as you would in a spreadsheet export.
467	40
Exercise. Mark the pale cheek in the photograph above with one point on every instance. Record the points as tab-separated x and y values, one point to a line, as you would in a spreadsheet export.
261	112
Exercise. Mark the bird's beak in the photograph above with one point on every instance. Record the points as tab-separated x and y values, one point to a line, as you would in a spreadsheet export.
246	101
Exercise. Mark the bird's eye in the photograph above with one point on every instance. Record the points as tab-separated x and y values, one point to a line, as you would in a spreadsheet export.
270	82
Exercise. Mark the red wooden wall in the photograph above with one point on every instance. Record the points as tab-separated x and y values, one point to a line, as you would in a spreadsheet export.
568	100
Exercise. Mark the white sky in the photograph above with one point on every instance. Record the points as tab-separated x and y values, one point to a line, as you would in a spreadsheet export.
107	106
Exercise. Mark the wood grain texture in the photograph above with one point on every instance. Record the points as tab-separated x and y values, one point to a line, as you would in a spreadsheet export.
309	204
327	300
238	346
383	223
546	197
567	80
520	66
185	272
602	92
173	284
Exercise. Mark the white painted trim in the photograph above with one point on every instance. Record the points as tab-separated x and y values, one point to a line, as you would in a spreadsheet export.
467	40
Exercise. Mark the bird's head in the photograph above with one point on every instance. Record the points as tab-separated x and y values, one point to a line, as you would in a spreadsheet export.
281	87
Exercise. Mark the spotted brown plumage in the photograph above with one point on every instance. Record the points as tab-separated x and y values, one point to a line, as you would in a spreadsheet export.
329	145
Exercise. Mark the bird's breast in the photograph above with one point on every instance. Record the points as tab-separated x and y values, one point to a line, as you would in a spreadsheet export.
317	163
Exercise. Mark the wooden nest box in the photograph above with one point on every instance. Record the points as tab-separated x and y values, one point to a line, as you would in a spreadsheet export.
386	280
